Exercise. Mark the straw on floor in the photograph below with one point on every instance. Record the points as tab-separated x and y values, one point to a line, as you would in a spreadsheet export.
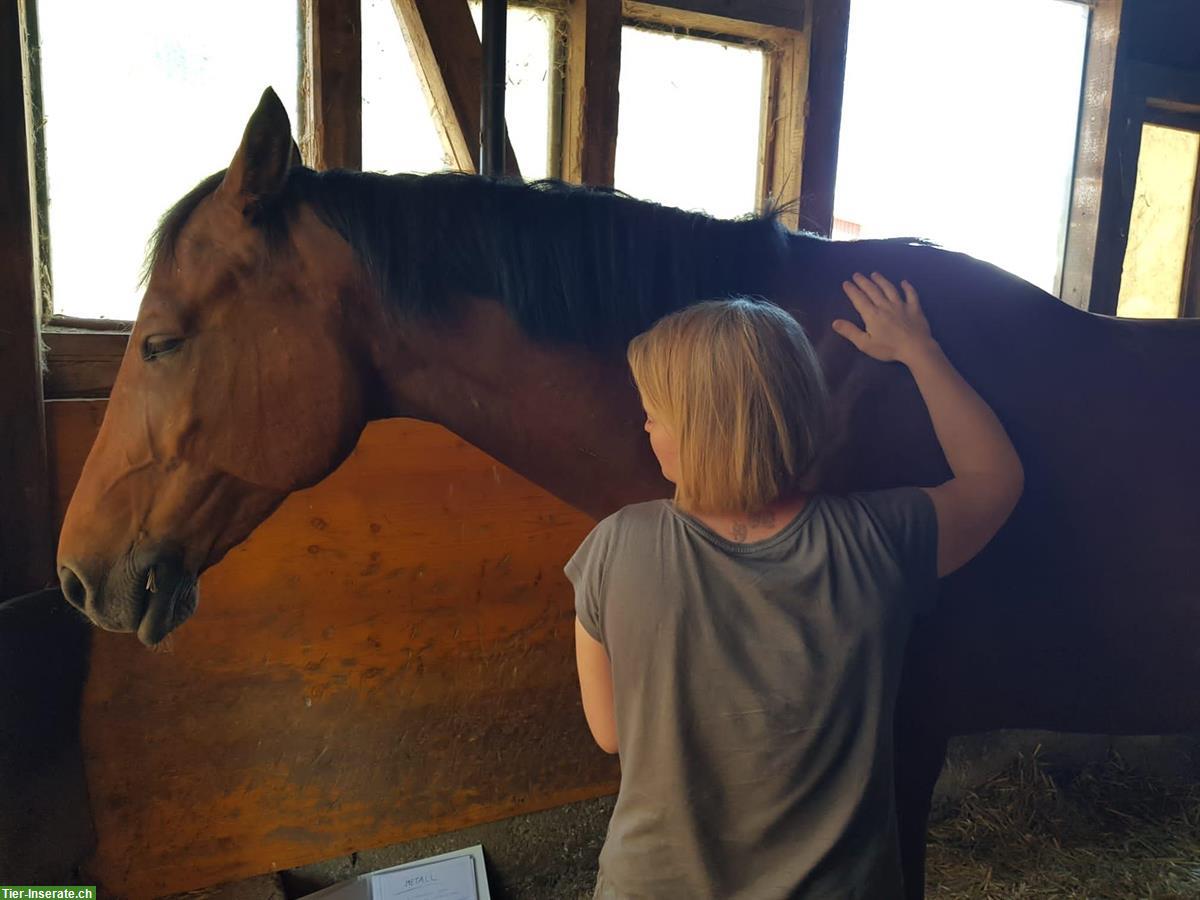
1102	832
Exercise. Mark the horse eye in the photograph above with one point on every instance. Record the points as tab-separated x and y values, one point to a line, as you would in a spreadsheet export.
159	345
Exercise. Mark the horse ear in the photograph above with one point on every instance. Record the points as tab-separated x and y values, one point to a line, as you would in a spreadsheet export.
261	164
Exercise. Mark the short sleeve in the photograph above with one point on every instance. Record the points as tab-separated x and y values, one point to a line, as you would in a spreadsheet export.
586	569
908	520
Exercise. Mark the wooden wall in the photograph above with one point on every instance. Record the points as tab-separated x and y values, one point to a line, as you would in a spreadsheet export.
390	655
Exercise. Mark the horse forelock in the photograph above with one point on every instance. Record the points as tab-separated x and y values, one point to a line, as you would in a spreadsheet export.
570	263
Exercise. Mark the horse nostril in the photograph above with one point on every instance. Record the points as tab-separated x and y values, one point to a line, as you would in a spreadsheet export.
73	588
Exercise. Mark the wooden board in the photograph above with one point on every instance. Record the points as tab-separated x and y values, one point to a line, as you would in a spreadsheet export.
781	13
331	91
390	655
826	78
81	364
592	75
1091	147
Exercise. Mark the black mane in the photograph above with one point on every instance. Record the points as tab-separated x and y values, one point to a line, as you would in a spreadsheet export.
569	263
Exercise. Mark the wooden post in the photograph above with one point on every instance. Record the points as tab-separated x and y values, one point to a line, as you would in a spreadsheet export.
829	35
26	552
331	94
1095	108
449	60
591	92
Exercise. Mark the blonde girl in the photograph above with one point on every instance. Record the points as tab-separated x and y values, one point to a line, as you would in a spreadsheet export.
740	645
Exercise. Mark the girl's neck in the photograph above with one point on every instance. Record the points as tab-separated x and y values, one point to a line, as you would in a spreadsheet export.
748	528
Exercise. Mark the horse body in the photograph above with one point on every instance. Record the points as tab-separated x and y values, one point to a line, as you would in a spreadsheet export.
1081	615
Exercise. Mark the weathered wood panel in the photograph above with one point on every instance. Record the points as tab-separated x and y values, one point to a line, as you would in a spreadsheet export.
592	75
390	655
331	92
829	37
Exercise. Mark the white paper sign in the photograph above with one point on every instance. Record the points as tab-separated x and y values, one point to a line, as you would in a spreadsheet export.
448	879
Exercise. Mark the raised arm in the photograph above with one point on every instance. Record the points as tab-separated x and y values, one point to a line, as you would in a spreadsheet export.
988	477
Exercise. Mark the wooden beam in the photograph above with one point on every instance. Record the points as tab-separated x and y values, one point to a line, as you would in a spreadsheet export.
591	92
26	552
705	22
449	59
780	13
1091	144
829	30
331	86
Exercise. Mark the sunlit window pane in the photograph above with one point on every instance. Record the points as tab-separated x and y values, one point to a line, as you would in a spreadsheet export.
141	102
398	131
688	128
1152	277
958	124
529	35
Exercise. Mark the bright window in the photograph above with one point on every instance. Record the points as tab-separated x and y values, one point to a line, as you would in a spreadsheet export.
689	121
398	131
959	123
1159	224
138	108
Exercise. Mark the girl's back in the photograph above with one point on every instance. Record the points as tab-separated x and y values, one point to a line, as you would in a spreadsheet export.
754	685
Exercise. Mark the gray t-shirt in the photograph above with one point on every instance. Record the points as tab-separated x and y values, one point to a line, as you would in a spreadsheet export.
754	687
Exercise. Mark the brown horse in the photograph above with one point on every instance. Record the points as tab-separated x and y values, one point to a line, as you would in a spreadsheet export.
285	308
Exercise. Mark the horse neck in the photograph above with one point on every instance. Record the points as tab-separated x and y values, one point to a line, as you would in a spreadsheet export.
564	417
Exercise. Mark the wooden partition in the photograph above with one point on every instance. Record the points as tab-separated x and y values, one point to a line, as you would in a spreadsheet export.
389	655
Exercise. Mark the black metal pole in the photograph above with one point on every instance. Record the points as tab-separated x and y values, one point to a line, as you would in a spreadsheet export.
491	119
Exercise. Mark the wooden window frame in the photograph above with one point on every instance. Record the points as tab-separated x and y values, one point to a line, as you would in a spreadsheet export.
785	77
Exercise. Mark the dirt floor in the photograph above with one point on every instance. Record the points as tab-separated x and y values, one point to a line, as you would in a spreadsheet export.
1094	831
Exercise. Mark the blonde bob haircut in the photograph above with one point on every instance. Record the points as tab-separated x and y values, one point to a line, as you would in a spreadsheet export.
737	383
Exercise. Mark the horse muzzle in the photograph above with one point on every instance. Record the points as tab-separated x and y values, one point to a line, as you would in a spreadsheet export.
147	592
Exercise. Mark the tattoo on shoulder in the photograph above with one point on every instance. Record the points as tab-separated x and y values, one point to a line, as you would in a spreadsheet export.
764	518
739	532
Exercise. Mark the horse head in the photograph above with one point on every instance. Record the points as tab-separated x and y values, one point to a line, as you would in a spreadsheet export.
239	385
